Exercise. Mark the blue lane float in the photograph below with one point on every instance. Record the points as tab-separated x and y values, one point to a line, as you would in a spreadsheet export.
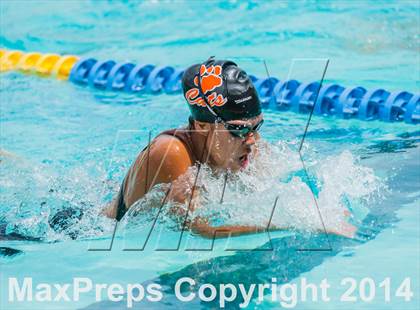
332	99
117	78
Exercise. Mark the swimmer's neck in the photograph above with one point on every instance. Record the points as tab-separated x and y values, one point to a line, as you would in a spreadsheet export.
199	141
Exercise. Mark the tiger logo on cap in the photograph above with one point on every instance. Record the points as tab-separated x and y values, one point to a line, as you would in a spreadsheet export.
210	79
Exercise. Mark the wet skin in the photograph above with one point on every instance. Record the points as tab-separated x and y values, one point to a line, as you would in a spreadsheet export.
167	158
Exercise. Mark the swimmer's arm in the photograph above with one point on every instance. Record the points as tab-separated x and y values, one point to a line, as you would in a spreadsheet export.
207	231
203	228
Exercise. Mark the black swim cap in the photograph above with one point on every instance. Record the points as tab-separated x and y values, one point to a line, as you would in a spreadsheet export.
219	90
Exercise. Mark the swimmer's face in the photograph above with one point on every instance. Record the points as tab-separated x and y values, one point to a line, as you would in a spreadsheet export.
231	152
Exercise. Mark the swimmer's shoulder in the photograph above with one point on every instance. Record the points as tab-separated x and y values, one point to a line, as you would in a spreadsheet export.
163	161
167	158
171	150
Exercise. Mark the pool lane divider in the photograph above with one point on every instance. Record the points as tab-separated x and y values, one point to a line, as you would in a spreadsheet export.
290	95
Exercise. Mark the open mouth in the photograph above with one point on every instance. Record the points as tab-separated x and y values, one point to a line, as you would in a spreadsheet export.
244	160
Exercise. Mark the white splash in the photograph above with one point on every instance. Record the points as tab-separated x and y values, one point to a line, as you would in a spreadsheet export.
276	177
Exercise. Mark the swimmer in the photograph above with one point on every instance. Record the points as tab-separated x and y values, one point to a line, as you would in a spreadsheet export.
222	132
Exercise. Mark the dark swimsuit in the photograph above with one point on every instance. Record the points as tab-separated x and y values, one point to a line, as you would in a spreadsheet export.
181	134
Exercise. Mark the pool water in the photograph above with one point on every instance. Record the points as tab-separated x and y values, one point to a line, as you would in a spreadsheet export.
69	146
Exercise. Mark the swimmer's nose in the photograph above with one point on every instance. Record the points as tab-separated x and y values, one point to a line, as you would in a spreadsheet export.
250	139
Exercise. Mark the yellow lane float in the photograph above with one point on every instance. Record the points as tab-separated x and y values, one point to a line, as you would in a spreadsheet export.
28	61
63	66
45	64
9	60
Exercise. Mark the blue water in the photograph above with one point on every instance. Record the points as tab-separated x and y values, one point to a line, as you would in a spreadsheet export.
70	146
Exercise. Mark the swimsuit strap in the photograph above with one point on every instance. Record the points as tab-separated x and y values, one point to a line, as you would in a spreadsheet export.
184	135
121	207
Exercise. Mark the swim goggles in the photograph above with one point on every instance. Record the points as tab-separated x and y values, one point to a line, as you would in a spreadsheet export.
236	130
242	131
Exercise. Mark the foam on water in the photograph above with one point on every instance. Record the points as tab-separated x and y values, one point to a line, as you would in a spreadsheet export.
274	178
276	174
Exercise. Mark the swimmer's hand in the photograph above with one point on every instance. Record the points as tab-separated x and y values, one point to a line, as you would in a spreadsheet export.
345	230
